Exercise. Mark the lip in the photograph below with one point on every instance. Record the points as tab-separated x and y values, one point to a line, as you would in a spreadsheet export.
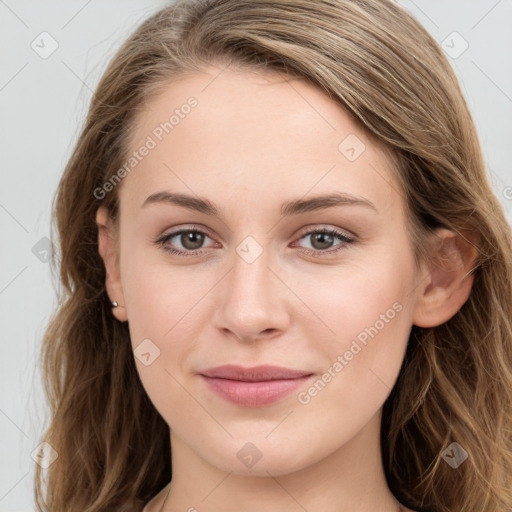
254	386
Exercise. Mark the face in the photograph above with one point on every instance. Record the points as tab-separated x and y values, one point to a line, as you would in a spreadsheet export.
261	274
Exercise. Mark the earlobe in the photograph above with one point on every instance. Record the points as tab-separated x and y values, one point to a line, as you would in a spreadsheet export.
449	281
108	249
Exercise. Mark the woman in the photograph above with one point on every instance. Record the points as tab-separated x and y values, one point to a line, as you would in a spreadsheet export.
287	282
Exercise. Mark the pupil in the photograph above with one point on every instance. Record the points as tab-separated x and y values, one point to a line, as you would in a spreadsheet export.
324	239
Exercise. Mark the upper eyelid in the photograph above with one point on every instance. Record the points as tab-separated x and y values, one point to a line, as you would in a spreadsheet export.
176	231
326	227
302	231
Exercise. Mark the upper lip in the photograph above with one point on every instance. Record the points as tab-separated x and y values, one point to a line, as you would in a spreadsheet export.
254	373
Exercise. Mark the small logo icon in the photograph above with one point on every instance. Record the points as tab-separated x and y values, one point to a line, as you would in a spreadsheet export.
249	455
43	249
351	147
44	45
454	455
45	455
249	249
454	45
146	352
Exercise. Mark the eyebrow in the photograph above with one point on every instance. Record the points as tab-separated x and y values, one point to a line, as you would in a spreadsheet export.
294	207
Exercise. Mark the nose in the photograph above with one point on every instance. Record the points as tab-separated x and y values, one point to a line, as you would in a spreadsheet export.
254	300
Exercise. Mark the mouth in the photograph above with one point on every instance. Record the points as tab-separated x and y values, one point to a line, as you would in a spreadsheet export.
253	387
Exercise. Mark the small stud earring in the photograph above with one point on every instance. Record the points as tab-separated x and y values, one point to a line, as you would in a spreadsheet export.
114	304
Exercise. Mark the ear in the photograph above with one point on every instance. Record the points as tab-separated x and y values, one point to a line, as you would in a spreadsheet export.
109	251
449	280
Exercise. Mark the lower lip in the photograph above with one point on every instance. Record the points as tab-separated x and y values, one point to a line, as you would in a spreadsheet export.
254	394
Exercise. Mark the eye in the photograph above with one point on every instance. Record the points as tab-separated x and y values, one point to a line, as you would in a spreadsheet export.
322	240
191	241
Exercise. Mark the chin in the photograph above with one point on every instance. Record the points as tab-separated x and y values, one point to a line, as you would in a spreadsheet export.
262	457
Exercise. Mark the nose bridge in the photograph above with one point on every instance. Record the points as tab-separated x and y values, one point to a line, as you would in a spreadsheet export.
250	279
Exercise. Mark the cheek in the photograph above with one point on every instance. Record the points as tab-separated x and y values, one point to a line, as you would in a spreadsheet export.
368	308
359	296
159	297
162	304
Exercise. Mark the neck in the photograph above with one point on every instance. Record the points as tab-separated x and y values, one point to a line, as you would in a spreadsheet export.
350	479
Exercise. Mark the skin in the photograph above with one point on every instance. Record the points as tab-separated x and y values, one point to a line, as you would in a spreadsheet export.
254	141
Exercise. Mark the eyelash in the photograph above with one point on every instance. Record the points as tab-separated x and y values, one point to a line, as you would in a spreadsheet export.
162	241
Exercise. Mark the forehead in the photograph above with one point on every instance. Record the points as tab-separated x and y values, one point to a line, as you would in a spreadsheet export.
262	134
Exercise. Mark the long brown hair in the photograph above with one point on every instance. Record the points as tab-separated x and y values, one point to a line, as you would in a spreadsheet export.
382	66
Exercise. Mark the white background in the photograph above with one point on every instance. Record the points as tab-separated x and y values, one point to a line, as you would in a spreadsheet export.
42	105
